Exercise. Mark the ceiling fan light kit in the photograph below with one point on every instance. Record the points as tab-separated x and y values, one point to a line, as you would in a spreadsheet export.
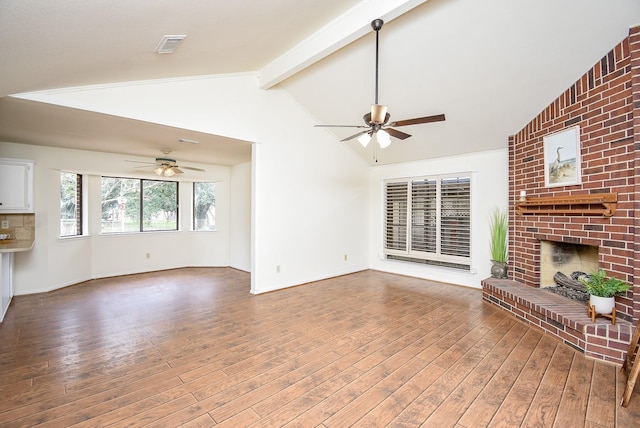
166	167
377	121
384	139
165	171
364	139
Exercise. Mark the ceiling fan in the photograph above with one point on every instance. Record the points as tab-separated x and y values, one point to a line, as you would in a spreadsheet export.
166	167
377	121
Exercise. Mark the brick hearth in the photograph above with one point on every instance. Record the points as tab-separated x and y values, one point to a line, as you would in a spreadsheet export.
561	317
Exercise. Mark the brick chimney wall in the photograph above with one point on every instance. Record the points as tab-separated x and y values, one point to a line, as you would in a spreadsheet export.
605	103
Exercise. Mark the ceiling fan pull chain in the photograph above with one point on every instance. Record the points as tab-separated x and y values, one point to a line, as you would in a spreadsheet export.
375	153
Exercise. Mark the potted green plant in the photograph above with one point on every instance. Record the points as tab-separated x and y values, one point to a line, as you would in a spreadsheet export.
498	225
602	290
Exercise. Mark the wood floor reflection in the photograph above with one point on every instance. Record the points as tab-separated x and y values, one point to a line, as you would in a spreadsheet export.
192	347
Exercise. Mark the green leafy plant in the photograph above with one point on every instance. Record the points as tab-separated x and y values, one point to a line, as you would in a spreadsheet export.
499	225
601	285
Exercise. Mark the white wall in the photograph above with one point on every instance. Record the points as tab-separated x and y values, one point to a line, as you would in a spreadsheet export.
311	201
309	195
315	207
489	190
240	217
56	262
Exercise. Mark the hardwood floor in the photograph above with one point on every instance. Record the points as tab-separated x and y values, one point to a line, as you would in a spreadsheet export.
193	348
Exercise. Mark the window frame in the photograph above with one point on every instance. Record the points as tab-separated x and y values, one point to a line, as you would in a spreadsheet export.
400	227
79	211
141	207
194	220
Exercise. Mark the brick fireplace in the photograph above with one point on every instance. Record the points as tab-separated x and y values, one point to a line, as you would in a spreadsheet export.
605	106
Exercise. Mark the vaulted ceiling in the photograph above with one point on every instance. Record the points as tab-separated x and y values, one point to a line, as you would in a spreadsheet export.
488	66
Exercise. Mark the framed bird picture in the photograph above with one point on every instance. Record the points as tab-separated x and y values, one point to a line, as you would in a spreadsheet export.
562	158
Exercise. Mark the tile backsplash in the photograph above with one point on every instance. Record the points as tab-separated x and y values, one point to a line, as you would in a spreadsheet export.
21	226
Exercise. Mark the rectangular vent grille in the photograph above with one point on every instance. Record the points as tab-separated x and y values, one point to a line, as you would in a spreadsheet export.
169	43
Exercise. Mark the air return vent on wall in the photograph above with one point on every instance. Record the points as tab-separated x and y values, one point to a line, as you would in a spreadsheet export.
169	43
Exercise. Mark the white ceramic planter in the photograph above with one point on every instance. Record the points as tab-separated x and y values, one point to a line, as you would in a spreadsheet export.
602	305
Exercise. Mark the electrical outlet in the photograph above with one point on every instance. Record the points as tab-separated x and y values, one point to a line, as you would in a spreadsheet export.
5	224
345	257
148	255
278	269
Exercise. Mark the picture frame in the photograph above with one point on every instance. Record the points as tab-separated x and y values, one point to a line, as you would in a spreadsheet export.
562	158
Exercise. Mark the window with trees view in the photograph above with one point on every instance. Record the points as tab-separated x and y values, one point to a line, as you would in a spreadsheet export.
70	204
137	205
204	206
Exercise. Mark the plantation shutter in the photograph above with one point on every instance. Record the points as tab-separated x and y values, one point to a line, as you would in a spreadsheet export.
428	220
396	216
424	216
455	223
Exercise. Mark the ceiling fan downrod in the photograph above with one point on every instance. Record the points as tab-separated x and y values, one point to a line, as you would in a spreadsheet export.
378	112
376	24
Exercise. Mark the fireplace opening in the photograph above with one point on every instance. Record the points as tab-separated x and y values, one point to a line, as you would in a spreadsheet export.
562	264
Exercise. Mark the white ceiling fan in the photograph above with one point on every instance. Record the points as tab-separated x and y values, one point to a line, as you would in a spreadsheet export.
165	166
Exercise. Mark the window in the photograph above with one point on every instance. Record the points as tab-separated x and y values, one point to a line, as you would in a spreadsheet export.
427	220
70	204
204	206
133	205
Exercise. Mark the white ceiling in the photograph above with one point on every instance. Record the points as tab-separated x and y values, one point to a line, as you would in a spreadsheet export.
490	65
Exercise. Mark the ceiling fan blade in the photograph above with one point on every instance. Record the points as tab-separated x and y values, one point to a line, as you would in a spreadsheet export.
355	135
177	170
398	134
146	163
192	168
416	121
340	126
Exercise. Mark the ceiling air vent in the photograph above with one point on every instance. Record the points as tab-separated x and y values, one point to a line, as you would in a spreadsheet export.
186	140
169	43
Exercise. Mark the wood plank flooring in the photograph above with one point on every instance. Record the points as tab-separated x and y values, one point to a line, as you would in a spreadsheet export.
193	348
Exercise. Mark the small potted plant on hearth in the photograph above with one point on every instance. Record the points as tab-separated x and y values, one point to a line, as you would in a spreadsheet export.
602	290
498	243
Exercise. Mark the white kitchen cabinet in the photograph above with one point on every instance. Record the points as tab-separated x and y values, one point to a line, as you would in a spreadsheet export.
16	186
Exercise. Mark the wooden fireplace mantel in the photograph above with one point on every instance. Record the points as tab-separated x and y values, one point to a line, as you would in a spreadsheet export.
596	204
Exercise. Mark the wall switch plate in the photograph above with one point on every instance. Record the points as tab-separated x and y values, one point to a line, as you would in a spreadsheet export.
5	224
